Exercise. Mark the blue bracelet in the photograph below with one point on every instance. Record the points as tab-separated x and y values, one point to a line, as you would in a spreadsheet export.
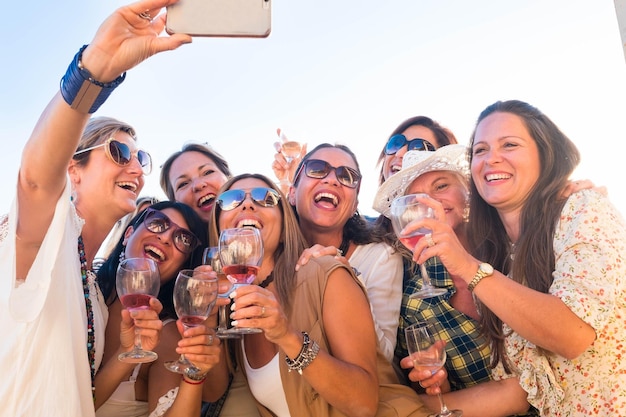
81	91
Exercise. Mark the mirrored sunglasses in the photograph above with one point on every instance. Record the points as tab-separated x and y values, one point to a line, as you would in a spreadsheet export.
318	169
157	222
396	142
264	197
121	154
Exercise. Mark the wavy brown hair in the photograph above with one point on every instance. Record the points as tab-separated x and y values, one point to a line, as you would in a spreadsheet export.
534	259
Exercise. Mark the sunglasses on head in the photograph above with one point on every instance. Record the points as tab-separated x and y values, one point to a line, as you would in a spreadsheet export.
121	154
318	169
396	142
264	197
157	222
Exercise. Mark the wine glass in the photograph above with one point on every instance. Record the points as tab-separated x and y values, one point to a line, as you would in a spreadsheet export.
195	293
428	354
404	210
211	256
137	281
290	149
241	253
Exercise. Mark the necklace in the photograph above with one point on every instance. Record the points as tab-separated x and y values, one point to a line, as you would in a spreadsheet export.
267	280
345	245
91	337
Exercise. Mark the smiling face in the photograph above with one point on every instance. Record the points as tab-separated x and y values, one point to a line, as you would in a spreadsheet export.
325	204
269	220
448	188
505	162
393	163
102	186
141	243
196	179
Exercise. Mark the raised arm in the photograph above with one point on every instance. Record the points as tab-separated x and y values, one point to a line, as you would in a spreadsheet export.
124	40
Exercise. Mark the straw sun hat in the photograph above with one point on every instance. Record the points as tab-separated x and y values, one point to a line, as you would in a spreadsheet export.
416	163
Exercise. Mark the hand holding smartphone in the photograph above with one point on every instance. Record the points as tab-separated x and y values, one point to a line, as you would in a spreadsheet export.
220	18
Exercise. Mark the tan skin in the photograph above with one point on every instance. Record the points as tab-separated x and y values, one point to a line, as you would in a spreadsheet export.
321	221
121	42
393	163
199	344
504	147
284	170
347	379
196	180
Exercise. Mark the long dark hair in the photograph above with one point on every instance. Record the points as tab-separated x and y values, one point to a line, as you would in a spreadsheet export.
357	229
534	258
106	273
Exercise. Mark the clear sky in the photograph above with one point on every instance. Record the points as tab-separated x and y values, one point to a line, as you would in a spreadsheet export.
337	71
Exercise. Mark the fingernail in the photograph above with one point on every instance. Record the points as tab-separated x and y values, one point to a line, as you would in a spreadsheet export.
232	315
234	322
233	294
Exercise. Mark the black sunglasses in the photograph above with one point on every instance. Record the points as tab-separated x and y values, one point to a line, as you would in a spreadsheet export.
121	154
318	169
396	142
157	222
264	197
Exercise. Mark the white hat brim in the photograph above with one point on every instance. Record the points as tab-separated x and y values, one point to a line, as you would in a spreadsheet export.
416	163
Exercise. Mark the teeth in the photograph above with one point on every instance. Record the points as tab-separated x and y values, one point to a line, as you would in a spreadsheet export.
493	177
154	250
329	196
208	197
128	185
249	223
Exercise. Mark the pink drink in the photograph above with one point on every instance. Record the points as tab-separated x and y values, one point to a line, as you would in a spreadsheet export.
192	321
432	368
411	241
241	274
136	301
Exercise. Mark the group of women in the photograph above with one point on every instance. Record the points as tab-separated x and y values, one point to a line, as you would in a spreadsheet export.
533	315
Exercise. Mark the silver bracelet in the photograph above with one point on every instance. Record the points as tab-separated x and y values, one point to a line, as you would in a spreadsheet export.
307	354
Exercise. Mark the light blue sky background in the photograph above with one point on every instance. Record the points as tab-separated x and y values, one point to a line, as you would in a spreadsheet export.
339	71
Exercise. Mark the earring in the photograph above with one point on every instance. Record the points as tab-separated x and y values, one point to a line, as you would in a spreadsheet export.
73	195
466	213
122	254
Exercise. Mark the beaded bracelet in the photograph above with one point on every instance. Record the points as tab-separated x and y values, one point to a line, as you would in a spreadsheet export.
81	91
307	354
191	381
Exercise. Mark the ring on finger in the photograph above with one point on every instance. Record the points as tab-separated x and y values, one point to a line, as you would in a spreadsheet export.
429	240
146	15
339	253
210	340
263	311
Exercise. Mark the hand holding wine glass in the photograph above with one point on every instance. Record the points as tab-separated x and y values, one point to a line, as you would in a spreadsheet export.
211	256
428	353
288	156
404	210
241	253
195	293
137	281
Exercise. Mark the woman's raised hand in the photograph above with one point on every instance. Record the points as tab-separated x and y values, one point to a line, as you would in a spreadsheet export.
127	37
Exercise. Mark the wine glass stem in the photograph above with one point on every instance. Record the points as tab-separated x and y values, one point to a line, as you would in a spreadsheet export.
137	340
223	325
425	276
444	412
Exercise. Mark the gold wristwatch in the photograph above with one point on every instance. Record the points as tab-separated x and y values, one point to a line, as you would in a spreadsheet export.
484	270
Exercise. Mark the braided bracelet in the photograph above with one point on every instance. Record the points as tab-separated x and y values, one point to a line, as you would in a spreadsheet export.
307	354
81	91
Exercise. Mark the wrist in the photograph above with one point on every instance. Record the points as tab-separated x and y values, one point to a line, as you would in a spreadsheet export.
81	91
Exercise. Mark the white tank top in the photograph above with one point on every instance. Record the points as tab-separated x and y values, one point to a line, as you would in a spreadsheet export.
266	385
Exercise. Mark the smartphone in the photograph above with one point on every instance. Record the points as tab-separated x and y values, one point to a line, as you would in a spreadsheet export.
220	18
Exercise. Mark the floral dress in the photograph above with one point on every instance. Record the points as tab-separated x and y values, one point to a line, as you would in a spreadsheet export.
590	278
